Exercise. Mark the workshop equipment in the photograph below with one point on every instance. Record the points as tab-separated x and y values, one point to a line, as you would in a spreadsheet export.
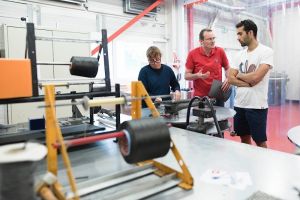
177	113
135	146
42	188
173	107
26	77
108	112
203	112
21	132
82	66
79	66
60	39
217	92
211	120
68	83
87	103
136	139
53	134
141	142
17	167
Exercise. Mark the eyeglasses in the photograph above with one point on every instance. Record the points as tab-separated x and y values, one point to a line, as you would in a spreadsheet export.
154	60
210	39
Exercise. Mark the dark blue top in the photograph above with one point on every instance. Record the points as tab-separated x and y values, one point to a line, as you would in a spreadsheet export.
158	81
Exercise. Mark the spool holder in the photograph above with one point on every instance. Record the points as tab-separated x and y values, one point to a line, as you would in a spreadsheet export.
31	51
53	135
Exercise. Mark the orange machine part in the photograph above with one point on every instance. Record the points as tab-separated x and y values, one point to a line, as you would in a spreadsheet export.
15	78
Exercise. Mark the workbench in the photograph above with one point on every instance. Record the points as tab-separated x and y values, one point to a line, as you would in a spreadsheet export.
272	172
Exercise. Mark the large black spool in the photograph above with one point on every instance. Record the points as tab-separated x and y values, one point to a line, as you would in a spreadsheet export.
17	181
149	139
84	66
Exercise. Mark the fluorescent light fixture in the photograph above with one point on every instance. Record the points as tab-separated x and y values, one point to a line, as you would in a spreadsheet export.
72	1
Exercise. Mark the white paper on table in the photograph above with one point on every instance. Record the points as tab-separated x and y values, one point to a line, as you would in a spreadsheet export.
237	180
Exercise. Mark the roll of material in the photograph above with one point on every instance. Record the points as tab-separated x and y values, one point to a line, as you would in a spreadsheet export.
17	167
84	66
217	92
144	139
17	181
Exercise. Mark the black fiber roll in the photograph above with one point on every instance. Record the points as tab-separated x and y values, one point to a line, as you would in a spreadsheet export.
148	139
84	66
17	181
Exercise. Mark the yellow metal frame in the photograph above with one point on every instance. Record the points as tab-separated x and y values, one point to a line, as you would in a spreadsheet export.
53	135
138	92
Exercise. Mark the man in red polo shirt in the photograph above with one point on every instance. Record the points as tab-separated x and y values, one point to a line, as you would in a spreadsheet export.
204	64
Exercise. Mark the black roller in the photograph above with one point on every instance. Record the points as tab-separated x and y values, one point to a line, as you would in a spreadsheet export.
145	139
84	66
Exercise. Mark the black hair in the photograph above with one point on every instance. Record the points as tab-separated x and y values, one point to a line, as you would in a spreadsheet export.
248	25
201	34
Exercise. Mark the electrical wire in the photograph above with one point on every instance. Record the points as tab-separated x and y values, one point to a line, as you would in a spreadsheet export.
189	109
214	116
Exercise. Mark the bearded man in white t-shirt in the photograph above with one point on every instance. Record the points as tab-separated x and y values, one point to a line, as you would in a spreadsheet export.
250	73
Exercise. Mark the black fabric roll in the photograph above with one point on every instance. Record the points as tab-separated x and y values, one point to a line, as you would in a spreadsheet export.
17	181
150	138
84	66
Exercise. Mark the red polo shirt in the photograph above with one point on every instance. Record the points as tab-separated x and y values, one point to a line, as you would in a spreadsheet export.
198	60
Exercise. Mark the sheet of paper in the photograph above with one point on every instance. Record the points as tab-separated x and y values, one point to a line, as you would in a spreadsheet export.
237	180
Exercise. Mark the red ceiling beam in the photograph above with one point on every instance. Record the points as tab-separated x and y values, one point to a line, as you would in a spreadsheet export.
195	2
129	24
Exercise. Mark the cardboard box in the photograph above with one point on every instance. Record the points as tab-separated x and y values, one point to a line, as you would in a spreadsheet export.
15	78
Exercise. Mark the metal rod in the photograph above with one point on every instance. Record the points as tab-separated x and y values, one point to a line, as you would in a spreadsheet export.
105	59
114	176
152	97
102	183
54	63
87	103
66	40
118	107
141	191
68	84
92	110
62	104
30	40
58	97
88	140
90	80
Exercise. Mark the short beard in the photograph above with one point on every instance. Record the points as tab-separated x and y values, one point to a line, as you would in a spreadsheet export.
243	44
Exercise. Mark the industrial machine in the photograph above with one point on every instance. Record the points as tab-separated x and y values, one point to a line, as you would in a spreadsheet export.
206	118
24	72
197	116
139	141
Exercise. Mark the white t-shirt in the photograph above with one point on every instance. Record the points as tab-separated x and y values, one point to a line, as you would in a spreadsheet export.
255	97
